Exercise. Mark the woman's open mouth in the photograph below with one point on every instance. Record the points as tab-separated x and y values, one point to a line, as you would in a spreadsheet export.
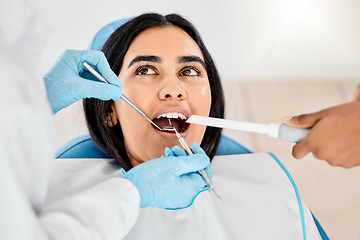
178	121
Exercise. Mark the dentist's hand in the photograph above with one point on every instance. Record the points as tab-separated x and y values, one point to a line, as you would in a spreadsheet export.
334	137
68	80
172	181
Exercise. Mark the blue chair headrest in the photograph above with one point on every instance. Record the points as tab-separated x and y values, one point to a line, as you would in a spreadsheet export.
84	147
104	33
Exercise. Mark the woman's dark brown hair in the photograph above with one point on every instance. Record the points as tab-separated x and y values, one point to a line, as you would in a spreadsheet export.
110	139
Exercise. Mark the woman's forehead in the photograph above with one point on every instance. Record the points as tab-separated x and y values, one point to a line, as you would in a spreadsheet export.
164	42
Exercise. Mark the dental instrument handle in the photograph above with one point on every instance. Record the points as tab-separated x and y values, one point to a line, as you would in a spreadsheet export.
101	78
201	172
135	107
282	131
95	73
184	144
139	111
188	150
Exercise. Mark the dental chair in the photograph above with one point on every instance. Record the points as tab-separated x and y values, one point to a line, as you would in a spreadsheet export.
84	147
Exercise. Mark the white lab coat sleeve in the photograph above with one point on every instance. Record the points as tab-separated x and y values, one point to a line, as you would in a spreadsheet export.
107	211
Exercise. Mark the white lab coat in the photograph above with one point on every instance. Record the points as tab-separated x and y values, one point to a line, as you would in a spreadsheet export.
105	211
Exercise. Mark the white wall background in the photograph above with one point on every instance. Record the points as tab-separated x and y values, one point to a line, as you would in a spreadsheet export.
249	39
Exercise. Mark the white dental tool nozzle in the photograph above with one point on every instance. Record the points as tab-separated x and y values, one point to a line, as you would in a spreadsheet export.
282	131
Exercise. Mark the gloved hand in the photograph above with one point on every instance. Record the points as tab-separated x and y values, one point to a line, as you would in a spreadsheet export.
171	181
68	80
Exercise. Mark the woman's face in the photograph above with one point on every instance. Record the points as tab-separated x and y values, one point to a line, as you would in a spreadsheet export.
163	73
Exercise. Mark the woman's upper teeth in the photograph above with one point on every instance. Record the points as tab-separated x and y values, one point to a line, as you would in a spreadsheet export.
173	115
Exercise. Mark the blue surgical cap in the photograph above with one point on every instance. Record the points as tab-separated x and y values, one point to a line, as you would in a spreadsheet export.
104	33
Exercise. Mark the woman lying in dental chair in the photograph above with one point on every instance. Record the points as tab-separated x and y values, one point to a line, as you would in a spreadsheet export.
168	73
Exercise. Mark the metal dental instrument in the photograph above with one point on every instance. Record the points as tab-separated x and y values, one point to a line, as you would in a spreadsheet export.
101	78
189	152
281	131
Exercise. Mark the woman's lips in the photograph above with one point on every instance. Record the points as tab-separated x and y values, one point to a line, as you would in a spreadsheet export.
172	116
179	124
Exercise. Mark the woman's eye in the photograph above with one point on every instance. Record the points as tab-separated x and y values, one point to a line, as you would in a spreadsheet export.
145	71
190	72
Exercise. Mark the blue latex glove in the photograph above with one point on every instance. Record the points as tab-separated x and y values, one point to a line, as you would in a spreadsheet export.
68	80
172	181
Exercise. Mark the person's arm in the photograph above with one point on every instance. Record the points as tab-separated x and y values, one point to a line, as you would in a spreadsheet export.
106	211
356	96
334	137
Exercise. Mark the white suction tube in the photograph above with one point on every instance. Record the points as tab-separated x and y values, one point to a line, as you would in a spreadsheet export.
282	131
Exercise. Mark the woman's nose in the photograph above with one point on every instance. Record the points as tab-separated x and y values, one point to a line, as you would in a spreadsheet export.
172	91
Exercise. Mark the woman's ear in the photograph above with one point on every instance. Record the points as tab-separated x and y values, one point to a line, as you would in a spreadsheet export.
112	119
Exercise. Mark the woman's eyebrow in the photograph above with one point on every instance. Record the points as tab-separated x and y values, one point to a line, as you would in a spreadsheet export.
192	58
145	58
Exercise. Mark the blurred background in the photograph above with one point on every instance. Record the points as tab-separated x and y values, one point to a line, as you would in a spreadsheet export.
275	58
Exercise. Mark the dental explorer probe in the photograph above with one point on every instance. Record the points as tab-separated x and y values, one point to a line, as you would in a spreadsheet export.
282	131
101	78
190	152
